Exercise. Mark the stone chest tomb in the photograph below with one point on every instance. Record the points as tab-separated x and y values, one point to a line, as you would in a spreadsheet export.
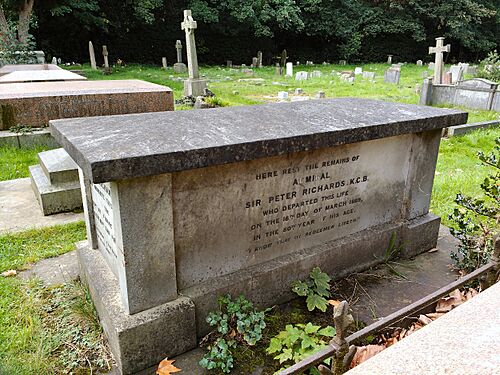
191	205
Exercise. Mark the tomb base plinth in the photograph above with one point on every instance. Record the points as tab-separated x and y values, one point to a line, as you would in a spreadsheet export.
141	340
194	87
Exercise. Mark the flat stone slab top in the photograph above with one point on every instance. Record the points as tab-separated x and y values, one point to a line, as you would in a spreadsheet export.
441	348
40	76
44	89
6	69
114	148
36	103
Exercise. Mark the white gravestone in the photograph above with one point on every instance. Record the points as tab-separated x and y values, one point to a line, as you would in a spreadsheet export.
194	86
439	64
301	76
289	69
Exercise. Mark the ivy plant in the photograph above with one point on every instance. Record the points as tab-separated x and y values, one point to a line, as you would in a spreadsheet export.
299	341
237	322
316	289
477	219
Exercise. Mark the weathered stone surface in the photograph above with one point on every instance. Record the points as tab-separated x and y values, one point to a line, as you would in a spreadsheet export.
392	75
34	104
433	349
21	76
224	135
6	69
141	340
58	166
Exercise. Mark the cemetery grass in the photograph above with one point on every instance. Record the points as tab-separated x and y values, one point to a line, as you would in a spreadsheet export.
46	330
459	170
14	161
224	82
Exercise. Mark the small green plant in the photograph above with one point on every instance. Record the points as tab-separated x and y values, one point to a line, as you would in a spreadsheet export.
299	341
476	219
316	288
490	67
236	322
215	101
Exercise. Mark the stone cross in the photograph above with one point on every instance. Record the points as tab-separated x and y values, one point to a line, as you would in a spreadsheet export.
438	66
284	57
178	47
189	25
105	55
92	56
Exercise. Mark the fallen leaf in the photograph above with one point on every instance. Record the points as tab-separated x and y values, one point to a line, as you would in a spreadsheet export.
334	302
9	273
424	320
365	352
166	367
445	304
434	316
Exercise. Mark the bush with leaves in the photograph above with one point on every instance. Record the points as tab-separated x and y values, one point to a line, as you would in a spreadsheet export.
299	341
316	288
236	322
490	67
12	51
477	219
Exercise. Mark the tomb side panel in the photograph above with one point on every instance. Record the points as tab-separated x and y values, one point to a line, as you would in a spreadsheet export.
230	217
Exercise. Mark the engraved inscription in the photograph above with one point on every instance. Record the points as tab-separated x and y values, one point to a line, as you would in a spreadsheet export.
227	218
103	211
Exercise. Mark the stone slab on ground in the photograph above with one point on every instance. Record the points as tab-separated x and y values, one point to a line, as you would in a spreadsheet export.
40	76
38	137
36	103
381	294
54	271
6	69
19	209
464	341
467	128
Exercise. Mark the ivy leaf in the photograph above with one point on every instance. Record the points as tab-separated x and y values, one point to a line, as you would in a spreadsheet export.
285	356
316	301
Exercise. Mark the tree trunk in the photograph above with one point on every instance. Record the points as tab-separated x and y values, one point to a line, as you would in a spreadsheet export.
4	26
23	27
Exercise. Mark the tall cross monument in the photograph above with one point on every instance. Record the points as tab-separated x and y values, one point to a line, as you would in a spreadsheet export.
438	66
194	85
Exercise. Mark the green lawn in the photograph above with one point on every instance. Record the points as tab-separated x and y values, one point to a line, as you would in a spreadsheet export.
224	83
46	330
14	161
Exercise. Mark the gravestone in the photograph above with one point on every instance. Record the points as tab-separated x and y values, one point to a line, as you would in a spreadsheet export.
447	79
282	95
431	66
277	70
320	95
301	76
54	61
186	206
259	59
179	66
309	63
254	62
21	76
457	72
368	75
439	64
194	85
358	70
419	62
105	55
392	75
93	63
342	62
283	58
389	59
164	63
315	74
40	57
34	104
229	63
289	69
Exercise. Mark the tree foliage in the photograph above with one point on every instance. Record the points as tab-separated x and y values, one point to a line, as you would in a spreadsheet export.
145	30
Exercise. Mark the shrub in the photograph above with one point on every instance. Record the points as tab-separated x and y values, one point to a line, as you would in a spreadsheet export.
490	67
